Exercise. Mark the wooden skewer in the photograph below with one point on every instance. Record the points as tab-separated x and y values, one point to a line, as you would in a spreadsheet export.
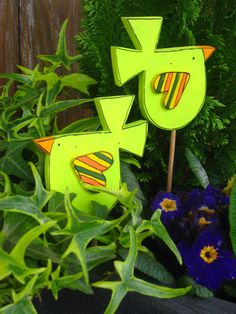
171	160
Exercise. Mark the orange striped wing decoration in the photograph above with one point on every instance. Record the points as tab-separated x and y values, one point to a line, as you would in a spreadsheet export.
173	85
90	167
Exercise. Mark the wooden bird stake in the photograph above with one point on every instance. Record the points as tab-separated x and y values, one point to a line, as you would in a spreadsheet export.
171	160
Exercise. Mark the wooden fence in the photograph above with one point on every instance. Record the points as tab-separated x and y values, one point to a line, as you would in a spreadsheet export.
31	27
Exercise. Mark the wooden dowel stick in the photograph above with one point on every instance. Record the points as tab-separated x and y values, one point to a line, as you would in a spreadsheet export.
171	160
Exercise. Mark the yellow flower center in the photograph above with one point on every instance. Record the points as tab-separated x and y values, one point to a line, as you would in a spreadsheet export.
209	254
168	205
207	210
202	222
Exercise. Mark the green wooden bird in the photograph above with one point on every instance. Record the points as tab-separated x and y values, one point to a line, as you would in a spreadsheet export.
80	161
172	81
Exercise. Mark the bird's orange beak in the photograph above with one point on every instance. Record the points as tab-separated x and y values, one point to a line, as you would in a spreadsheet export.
207	51
45	144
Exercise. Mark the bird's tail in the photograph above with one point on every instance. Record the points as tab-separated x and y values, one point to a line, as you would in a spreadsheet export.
113	113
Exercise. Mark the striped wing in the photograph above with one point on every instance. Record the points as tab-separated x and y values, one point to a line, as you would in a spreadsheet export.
173	85
90	167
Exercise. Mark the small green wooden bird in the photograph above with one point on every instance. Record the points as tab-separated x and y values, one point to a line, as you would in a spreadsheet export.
78	161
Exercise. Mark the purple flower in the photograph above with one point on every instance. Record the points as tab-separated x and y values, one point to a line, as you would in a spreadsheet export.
199	199
207	261
170	206
220	197
211	199
204	217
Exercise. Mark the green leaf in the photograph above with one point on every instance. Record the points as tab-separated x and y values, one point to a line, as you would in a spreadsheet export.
124	196
13	163
82	232
6	89
197	168
44	277
62	105
156	226
129	159
61	56
152	290
23	205
15	225
7	185
17	77
232	217
147	264
82	125
198	290
31	206
32	73
56	203
9	265
53	86
12	126
78	81
15	261
25	291
39	252
95	255
24	306
99	210
19	250
129	178
41	196
130	283
72	282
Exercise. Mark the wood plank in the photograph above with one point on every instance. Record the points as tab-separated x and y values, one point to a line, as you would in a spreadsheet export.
41	21
40	25
9	49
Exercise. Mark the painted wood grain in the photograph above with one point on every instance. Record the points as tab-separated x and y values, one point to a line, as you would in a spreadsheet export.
31	27
9	49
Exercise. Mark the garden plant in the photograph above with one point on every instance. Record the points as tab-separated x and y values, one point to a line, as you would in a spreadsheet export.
47	243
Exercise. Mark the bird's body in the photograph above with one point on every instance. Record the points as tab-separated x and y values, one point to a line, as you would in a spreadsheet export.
183	69
80	161
189	60
62	175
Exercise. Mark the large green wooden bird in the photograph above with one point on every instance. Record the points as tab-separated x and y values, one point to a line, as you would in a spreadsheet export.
172	81
76	162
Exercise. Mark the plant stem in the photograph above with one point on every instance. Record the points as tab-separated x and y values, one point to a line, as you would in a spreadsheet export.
171	160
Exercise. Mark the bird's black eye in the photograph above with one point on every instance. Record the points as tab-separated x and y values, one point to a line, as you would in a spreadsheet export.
193	58
171	63
58	144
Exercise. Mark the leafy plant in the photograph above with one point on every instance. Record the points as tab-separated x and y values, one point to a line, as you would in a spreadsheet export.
197	168
46	243
232	214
